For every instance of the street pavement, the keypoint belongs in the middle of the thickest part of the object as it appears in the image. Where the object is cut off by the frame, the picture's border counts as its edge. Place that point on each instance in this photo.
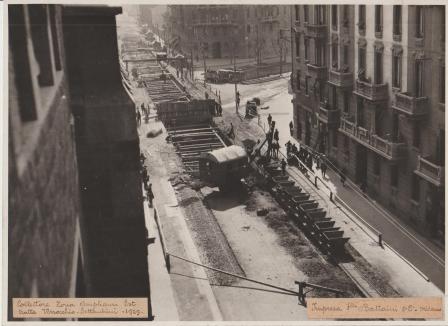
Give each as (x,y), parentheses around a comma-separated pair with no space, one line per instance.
(420,252)
(192,295)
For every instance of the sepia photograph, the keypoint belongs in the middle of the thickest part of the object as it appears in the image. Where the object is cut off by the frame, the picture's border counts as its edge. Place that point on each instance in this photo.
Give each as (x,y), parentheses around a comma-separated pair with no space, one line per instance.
(249,162)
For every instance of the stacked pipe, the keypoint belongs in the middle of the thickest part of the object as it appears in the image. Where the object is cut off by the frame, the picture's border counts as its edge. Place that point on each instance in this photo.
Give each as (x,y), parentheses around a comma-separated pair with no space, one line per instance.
(311,218)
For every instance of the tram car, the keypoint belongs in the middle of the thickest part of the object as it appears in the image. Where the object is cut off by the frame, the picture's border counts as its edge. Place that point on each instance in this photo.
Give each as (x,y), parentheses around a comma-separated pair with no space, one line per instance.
(224,167)
(211,76)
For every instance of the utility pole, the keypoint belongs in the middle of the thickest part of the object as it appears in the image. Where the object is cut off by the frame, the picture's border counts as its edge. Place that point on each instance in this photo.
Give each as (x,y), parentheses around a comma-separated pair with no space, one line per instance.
(234,72)
(281,48)
(235,81)
(205,67)
(191,64)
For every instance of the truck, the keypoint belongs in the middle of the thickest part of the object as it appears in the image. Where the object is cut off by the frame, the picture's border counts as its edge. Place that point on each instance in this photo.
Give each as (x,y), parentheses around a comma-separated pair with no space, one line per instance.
(224,167)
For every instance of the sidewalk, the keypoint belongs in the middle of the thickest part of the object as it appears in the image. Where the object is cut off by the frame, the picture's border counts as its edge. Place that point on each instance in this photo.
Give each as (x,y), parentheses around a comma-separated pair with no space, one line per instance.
(184,293)
(365,239)
(162,297)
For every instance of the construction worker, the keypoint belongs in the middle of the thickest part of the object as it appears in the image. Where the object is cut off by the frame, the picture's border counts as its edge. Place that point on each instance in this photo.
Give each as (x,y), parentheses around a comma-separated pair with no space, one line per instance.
(231,132)
(150,194)
(139,118)
(323,168)
(342,176)
(283,163)
(288,147)
(269,119)
(276,135)
(291,128)
(277,149)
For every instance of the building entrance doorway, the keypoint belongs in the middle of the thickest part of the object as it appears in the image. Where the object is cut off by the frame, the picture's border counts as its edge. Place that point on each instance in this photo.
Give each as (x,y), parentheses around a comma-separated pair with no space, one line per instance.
(298,126)
(216,50)
(308,129)
(361,165)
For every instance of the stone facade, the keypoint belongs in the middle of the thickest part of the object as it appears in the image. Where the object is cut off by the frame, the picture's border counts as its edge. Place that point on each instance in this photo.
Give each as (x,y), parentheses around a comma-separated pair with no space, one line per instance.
(44,201)
(364,98)
(222,31)
(76,223)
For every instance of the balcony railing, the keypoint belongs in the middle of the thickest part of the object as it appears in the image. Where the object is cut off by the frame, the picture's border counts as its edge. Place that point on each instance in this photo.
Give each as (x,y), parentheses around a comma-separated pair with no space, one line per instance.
(316,31)
(347,126)
(373,92)
(414,106)
(269,19)
(317,71)
(328,115)
(341,79)
(430,171)
(386,148)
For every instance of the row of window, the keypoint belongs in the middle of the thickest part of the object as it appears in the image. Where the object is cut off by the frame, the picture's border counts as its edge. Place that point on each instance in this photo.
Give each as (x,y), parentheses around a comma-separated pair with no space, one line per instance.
(259,11)
(397,20)
(417,88)
(319,18)
(45,43)
(320,59)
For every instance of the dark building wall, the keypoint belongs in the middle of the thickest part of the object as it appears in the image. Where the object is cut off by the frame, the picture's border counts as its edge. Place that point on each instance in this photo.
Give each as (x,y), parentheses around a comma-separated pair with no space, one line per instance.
(44,210)
(108,154)
(76,132)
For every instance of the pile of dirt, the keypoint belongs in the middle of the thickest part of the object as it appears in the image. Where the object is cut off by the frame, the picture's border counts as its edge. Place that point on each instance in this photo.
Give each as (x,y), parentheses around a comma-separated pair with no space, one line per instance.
(372,275)
(306,257)
(213,247)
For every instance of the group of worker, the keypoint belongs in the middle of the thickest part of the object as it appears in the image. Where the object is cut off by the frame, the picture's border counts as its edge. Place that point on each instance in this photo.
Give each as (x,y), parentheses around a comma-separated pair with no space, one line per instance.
(142,110)
(272,138)
(145,179)
(216,110)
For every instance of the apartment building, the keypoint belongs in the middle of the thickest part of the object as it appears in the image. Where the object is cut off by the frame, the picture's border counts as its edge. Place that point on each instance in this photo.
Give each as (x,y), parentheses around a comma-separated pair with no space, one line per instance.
(224,31)
(75,216)
(369,92)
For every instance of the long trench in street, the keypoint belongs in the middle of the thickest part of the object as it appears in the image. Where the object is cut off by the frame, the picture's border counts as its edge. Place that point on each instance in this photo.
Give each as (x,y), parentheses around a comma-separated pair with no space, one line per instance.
(227,231)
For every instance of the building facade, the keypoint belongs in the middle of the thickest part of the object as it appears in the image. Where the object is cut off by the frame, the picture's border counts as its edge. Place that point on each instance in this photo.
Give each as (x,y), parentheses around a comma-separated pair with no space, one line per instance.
(75,220)
(369,92)
(224,31)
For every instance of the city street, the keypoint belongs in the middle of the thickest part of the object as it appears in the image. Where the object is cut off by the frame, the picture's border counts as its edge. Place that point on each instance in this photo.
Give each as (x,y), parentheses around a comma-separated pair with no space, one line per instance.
(223,230)
(225,163)
(422,253)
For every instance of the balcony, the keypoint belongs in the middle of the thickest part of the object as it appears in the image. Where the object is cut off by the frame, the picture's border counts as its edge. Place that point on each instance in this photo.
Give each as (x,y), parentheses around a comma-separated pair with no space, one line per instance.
(372,92)
(214,21)
(412,106)
(341,79)
(328,115)
(317,71)
(316,31)
(386,148)
(396,37)
(429,171)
